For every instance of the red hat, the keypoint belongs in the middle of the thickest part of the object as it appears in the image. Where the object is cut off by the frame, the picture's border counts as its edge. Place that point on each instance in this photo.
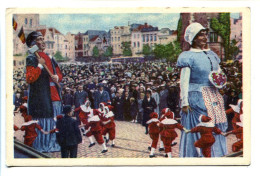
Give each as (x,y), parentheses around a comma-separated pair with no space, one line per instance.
(25,98)
(169,115)
(110,107)
(59,117)
(104,104)
(27,118)
(23,109)
(154,115)
(204,118)
(165,110)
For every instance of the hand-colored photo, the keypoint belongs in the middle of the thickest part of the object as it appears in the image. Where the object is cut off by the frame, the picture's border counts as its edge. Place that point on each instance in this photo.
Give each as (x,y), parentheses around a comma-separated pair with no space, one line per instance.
(128,85)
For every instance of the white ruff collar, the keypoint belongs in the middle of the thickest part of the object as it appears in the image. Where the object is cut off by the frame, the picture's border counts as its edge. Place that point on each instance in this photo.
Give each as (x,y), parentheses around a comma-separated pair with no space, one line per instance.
(84,108)
(94,118)
(198,50)
(169,122)
(109,114)
(152,120)
(30,122)
(25,104)
(206,124)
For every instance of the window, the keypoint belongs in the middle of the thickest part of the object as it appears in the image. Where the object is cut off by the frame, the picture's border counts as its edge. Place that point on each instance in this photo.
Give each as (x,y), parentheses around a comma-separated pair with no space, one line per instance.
(134,44)
(213,37)
(155,38)
(138,35)
(25,21)
(14,63)
(118,38)
(30,22)
(143,38)
(52,46)
(134,35)
(151,37)
(112,39)
(138,44)
(147,38)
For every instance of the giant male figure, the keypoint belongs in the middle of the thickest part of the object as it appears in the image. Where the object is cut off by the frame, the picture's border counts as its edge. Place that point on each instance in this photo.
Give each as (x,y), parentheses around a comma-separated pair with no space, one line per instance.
(44,102)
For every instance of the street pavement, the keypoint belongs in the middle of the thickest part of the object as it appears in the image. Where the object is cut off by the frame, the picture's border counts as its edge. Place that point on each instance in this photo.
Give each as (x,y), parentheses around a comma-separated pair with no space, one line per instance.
(131,142)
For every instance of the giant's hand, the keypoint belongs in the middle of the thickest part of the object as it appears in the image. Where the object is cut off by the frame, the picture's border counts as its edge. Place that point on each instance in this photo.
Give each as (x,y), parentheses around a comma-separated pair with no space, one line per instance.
(186,109)
(41,61)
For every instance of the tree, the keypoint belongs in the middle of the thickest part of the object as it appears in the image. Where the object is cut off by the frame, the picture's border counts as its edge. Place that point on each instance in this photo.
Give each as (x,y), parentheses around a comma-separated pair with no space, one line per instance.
(147,50)
(108,52)
(95,52)
(233,49)
(176,50)
(159,51)
(126,46)
(221,25)
(169,51)
(179,28)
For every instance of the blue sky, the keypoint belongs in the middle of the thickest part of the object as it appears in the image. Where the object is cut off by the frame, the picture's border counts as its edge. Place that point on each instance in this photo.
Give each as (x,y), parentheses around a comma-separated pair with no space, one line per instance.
(75,23)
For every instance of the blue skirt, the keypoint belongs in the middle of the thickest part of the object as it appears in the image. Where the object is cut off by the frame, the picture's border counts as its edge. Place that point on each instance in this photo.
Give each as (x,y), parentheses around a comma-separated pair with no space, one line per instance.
(47,143)
(190,120)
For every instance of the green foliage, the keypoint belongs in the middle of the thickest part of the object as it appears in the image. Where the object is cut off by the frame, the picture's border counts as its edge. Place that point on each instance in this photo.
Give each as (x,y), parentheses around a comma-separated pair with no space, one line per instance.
(179,28)
(176,50)
(108,52)
(95,52)
(170,52)
(126,46)
(59,57)
(233,49)
(222,27)
(147,50)
(159,51)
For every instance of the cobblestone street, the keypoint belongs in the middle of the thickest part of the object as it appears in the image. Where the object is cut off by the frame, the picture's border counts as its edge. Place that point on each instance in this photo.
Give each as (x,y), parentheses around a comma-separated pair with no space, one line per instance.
(130,142)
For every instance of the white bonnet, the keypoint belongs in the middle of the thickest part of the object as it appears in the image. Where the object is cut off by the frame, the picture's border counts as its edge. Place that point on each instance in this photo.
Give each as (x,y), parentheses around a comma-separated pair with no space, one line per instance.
(191,31)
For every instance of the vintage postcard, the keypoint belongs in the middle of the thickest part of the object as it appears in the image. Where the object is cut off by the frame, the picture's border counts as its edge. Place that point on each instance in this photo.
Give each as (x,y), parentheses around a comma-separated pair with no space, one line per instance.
(128,86)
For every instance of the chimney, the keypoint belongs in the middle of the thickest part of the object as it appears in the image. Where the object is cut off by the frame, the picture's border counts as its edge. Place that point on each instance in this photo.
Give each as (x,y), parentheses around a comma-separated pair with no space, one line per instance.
(145,24)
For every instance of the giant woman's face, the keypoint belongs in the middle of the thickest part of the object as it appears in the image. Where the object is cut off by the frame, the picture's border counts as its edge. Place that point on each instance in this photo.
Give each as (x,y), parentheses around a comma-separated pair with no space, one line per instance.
(201,39)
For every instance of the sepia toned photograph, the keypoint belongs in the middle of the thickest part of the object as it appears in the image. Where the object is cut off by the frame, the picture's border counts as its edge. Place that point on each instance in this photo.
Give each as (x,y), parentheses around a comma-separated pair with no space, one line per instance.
(112,87)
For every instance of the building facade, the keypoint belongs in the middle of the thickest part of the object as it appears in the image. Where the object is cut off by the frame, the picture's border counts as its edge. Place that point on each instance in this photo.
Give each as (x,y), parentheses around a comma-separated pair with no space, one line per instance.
(236,34)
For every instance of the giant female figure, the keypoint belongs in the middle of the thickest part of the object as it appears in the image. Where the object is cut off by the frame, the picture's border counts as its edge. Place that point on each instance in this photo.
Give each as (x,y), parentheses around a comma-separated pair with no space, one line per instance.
(198,95)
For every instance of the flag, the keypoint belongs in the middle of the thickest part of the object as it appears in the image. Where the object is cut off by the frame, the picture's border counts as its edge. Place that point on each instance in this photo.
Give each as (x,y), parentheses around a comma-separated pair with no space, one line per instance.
(14,24)
(21,35)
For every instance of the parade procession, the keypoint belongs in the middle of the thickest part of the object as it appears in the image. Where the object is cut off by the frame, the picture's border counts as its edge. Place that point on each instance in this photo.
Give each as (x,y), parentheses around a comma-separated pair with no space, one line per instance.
(137,91)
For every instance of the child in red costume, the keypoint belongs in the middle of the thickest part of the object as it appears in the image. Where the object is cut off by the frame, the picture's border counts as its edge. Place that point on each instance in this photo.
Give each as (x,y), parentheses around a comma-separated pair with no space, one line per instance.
(109,125)
(237,110)
(154,132)
(30,133)
(85,112)
(205,128)
(94,126)
(239,134)
(168,134)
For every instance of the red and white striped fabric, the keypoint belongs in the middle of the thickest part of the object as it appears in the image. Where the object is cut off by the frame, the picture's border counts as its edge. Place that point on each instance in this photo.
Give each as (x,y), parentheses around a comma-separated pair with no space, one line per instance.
(215,104)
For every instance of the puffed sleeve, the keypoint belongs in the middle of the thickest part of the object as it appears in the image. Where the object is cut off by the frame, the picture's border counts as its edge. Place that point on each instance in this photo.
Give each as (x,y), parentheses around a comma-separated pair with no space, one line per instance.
(185,59)
(33,69)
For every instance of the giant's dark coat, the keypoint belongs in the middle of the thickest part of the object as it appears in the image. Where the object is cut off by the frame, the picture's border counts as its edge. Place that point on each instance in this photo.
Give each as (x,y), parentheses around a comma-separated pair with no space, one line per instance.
(69,133)
(39,101)
(148,107)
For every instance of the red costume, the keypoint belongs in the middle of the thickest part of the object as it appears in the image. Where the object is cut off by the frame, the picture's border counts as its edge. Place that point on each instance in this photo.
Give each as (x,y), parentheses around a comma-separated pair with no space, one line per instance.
(109,127)
(30,133)
(239,134)
(207,139)
(168,134)
(154,130)
(96,129)
(237,111)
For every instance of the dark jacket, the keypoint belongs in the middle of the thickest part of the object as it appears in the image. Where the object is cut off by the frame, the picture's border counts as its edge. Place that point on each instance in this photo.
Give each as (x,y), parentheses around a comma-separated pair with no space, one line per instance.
(69,133)
(148,107)
(80,98)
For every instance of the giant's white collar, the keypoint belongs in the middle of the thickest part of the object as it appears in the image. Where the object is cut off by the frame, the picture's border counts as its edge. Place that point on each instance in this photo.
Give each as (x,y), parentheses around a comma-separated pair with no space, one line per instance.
(198,50)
